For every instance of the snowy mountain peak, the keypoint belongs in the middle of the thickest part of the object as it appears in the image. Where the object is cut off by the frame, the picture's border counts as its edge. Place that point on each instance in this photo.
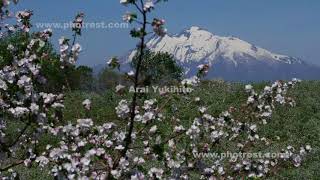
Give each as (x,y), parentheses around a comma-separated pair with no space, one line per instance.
(231,58)
(194,28)
(196,44)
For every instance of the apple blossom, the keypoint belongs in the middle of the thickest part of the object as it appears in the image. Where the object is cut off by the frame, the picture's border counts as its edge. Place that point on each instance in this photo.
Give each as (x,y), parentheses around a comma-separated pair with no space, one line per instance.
(87,104)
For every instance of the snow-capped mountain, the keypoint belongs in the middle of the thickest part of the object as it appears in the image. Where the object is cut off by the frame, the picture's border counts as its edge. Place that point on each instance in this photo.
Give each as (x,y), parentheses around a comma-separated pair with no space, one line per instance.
(231,58)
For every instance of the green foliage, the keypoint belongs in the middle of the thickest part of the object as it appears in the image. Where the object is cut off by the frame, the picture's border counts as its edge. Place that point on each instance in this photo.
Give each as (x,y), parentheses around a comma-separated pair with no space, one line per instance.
(133,17)
(79,78)
(84,75)
(109,79)
(19,41)
(114,63)
(137,33)
(158,68)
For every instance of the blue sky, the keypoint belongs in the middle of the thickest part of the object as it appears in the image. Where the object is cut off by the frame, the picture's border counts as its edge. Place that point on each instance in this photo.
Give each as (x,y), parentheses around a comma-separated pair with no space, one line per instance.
(289,27)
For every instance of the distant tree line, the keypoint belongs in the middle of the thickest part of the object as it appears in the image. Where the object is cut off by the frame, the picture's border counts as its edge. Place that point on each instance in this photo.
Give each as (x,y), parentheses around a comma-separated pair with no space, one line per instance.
(157,68)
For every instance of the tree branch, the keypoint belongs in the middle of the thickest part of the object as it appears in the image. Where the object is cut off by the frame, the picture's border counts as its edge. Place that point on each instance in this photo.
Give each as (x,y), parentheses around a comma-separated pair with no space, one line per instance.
(11,166)
(128,138)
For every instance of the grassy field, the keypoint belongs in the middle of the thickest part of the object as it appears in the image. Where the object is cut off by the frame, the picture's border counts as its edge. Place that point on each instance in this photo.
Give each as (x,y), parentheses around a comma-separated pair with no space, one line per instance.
(296,126)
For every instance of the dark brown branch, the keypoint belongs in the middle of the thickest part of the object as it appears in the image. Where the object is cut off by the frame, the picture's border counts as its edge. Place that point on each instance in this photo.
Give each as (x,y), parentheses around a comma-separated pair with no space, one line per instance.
(139,9)
(10,166)
(136,80)
(20,134)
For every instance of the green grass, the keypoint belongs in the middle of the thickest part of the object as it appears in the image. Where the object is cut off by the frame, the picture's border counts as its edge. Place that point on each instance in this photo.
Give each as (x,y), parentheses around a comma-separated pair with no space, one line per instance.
(296,126)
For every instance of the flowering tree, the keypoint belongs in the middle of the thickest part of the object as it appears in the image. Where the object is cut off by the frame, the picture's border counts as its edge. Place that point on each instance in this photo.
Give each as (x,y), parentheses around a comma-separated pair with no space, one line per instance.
(26,111)
(22,104)
(134,146)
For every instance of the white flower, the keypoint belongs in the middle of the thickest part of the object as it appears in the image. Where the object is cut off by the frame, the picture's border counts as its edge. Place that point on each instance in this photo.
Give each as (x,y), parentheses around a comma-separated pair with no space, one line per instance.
(109,61)
(160,31)
(138,176)
(85,123)
(56,153)
(179,129)
(42,160)
(148,5)
(202,109)
(200,66)
(100,151)
(48,98)
(122,109)
(267,89)
(6,2)
(127,17)
(266,114)
(147,117)
(23,14)
(131,73)
(10,47)
(148,104)
(193,131)
(153,129)
(12,29)
(46,34)
(24,81)
(203,68)
(124,2)
(250,100)
(108,143)
(34,108)
(62,41)
(63,48)
(3,85)
(171,143)
(297,160)
(253,128)
(123,163)
(215,135)
(119,147)
(57,105)
(173,164)
(139,160)
(308,148)
(116,174)
(221,170)
(280,99)
(87,104)
(119,88)
(18,111)
(248,88)
(34,69)
(193,81)
(85,161)
(76,48)
(157,172)
(81,143)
